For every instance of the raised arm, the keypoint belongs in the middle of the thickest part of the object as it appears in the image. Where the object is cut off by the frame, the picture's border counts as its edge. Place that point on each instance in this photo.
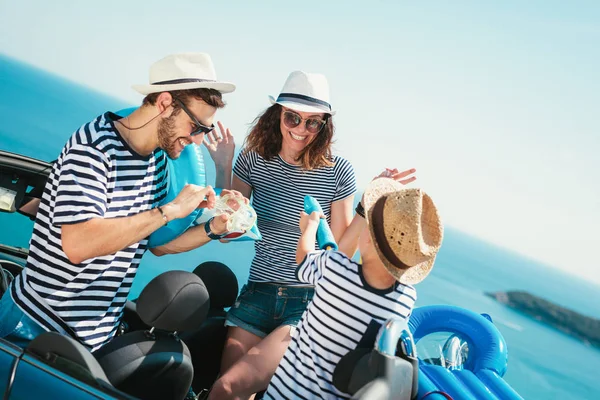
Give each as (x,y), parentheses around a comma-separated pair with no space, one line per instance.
(221,147)
(308,227)
(348,243)
(341,218)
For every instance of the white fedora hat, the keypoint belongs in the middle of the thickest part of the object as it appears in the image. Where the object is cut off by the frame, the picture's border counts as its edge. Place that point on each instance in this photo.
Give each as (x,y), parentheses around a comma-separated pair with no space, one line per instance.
(405,227)
(183,71)
(305,92)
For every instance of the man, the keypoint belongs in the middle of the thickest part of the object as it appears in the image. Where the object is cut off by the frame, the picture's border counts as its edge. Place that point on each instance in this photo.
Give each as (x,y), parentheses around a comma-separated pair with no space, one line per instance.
(101,202)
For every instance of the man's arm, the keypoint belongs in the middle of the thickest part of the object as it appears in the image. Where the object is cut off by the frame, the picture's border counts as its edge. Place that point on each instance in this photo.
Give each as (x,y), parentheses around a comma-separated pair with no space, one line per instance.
(102,236)
(193,238)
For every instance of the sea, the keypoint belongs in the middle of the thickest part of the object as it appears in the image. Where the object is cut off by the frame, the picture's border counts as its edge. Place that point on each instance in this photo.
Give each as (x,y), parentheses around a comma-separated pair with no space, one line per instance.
(39,111)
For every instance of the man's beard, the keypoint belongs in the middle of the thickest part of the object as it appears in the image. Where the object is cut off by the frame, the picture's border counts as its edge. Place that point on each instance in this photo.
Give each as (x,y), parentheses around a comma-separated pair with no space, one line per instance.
(166,134)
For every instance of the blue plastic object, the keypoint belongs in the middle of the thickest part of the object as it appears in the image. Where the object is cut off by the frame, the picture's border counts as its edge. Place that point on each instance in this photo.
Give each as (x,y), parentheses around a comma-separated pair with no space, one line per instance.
(325,237)
(188,168)
(481,376)
(251,234)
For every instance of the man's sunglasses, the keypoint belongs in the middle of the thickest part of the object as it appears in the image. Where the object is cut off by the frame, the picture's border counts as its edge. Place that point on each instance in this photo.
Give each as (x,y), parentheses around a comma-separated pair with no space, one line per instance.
(199,128)
(312,125)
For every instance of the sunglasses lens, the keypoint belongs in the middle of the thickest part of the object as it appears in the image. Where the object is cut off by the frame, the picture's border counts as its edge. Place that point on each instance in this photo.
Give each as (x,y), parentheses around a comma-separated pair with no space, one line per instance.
(313,125)
(201,129)
(291,120)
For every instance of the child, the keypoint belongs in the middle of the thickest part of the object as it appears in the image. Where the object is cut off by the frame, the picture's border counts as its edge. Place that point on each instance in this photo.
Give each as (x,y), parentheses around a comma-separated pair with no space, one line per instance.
(398,247)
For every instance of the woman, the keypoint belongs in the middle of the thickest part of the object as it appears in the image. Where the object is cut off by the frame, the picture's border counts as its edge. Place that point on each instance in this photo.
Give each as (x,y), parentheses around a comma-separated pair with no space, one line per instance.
(286,156)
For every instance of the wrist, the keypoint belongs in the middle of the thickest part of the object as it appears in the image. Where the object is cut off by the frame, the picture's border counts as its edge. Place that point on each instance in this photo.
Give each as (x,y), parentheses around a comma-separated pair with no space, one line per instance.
(224,166)
(163,214)
(215,230)
(208,229)
(360,210)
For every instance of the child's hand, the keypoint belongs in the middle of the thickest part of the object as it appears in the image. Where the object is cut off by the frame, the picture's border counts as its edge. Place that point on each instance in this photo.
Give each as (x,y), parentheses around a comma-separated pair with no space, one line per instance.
(306,219)
(398,176)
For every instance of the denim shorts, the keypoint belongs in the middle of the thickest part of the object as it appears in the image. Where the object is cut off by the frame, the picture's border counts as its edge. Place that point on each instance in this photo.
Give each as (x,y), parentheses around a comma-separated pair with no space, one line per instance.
(15,325)
(262,307)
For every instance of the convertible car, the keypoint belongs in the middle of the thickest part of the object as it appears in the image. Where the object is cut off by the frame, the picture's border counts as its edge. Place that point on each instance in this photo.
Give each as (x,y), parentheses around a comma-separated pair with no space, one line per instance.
(171,337)
(171,331)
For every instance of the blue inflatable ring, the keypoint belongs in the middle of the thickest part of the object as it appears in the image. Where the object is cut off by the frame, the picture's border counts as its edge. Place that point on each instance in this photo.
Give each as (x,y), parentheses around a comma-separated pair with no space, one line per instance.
(188,168)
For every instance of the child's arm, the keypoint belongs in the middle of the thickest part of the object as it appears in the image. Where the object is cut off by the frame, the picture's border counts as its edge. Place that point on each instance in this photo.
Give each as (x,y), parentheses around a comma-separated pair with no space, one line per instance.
(308,227)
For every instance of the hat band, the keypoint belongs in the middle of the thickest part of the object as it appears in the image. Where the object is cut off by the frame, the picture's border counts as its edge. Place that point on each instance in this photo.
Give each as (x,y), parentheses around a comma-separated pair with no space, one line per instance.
(306,100)
(184,80)
(384,245)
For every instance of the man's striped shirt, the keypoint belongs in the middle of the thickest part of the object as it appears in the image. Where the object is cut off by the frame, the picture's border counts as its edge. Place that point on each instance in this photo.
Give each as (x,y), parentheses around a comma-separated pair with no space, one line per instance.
(278,191)
(344,314)
(97,175)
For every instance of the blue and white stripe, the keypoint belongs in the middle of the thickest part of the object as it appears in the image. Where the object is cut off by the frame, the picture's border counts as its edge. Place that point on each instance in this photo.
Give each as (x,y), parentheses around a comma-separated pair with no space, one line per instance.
(303,99)
(278,191)
(340,318)
(96,176)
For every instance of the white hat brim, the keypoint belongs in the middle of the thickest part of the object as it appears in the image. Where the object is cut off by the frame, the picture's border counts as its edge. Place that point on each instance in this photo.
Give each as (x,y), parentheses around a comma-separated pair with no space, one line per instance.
(223,87)
(300,107)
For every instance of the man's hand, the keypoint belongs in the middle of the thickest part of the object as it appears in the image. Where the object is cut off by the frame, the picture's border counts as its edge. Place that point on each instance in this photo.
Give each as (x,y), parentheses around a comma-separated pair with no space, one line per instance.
(219,224)
(190,198)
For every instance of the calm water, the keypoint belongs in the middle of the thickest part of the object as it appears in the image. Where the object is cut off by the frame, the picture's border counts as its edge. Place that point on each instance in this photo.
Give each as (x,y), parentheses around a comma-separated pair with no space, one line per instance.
(38,112)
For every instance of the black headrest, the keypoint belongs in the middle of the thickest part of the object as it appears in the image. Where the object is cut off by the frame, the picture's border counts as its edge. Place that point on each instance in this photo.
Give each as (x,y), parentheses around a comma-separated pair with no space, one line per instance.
(174,301)
(350,365)
(51,343)
(220,281)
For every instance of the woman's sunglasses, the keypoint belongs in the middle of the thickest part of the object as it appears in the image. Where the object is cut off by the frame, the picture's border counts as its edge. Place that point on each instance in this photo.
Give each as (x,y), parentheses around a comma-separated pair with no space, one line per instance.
(199,128)
(312,125)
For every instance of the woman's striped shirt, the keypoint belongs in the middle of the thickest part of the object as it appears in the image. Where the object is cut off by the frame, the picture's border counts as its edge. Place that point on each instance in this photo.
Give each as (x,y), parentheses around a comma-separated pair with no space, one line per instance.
(278,191)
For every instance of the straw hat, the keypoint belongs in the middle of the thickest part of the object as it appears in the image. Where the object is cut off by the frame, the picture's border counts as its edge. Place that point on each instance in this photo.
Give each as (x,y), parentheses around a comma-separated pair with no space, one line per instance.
(305,92)
(183,71)
(405,228)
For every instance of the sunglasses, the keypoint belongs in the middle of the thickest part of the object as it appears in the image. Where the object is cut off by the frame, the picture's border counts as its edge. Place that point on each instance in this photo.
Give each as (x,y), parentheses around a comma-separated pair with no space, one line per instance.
(199,128)
(312,125)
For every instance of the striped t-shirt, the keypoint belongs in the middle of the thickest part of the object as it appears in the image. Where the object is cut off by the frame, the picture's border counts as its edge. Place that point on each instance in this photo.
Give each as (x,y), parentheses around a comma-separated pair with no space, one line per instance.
(97,175)
(345,313)
(278,191)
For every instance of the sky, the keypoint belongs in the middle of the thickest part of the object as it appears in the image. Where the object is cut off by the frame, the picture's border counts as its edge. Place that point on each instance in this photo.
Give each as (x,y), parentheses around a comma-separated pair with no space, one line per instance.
(496,104)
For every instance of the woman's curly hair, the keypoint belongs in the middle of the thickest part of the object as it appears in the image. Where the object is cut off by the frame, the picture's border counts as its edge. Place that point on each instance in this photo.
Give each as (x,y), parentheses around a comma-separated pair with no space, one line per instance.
(265,139)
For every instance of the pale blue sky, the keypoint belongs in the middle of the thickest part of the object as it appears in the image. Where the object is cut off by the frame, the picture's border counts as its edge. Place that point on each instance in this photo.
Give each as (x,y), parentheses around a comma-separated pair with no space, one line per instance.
(495,103)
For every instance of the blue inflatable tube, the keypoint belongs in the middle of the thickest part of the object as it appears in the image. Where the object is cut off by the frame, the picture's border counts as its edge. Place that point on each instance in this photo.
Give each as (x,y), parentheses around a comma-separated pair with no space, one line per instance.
(188,168)
(480,375)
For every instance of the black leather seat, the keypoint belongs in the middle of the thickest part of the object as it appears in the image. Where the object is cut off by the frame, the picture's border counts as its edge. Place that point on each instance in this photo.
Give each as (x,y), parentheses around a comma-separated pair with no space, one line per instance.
(156,364)
(207,342)
(68,355)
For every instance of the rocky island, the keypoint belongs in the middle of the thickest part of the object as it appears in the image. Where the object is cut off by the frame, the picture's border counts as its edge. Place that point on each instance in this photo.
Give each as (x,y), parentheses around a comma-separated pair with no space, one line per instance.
(584,328)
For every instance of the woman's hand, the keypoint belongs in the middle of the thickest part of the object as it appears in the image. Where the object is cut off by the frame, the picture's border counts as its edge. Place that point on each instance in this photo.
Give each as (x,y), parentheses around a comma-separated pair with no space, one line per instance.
(221,146)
